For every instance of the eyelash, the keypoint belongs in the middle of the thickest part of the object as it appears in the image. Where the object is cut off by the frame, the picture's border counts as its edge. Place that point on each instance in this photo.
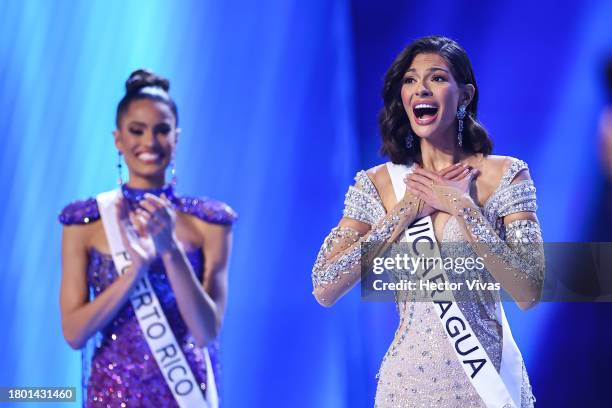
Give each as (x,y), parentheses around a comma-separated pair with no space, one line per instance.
(139,132)
(435,79)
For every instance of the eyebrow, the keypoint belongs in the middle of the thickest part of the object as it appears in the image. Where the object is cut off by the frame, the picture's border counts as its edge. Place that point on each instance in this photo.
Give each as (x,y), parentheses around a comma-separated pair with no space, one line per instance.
(432,69)
(163,122)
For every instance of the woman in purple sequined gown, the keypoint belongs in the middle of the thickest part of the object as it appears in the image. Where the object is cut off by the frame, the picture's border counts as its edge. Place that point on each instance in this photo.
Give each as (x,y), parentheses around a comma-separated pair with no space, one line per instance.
(186,261)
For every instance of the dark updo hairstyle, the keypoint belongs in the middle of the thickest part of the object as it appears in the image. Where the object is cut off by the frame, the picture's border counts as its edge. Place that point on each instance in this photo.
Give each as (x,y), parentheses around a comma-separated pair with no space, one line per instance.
(393,120)
(144,84)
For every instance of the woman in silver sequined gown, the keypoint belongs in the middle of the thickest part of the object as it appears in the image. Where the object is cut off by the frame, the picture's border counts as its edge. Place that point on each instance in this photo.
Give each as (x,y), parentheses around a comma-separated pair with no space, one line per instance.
(488,203)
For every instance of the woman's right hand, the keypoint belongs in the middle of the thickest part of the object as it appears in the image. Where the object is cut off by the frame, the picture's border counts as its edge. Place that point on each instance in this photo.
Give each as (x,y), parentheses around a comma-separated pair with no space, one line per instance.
(137,242)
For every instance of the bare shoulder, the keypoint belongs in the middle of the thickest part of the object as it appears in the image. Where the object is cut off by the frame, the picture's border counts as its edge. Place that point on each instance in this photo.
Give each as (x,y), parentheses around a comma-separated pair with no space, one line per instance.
(207,227)
(492,170)
(376,171)
(379,176)
(500,165)
(215,241)
(493,167)
(382,181)
(205,231)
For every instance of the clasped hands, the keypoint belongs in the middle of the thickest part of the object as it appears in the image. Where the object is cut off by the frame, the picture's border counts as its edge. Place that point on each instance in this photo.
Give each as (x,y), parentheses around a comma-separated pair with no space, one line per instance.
(437,190)
(149,230)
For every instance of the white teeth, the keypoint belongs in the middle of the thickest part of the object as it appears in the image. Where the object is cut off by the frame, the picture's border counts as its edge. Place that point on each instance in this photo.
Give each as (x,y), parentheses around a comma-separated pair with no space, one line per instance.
(148,156)
(425,105)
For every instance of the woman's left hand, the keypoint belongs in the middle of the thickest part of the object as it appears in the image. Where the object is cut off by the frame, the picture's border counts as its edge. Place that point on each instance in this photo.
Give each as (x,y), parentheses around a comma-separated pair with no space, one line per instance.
(422,183)
(159,219)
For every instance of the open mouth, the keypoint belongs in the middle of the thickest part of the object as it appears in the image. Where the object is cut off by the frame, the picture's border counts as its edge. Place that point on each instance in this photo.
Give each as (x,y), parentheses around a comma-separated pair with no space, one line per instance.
(425,113)
(149,157)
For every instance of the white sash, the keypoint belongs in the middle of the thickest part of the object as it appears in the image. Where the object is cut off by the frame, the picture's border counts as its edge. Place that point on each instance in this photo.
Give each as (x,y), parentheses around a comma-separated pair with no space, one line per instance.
(153,322)
(497,390)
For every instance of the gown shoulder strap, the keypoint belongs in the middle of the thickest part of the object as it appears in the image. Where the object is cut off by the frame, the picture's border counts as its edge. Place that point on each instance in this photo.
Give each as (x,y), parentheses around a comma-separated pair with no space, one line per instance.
(207,209)
(80,212)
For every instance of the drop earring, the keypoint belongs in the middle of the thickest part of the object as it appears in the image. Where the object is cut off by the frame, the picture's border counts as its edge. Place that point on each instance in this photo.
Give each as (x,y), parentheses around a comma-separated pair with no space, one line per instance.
(409,140)
(173,173)
(119,169)
(460,117)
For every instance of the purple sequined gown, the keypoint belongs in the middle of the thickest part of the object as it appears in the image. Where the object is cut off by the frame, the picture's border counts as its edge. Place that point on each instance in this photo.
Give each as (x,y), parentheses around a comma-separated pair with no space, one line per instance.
(122,370)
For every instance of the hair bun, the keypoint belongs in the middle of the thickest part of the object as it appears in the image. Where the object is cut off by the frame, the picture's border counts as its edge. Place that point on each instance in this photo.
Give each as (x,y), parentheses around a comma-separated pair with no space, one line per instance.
(142,78)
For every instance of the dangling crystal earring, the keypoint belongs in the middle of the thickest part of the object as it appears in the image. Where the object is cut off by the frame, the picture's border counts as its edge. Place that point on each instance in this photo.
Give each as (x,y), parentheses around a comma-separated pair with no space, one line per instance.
(119,168)
(173,173)
(409,139)
(460,116)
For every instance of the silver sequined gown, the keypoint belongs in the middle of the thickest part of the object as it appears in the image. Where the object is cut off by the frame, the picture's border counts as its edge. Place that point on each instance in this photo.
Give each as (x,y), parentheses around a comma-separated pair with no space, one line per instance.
(421,352)
(420,369)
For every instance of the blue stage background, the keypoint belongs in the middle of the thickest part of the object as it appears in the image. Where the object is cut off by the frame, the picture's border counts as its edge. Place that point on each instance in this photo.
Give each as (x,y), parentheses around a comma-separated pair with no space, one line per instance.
(278,104)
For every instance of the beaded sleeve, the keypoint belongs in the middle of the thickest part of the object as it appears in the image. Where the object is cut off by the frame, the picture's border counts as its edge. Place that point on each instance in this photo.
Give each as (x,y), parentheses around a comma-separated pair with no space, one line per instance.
(80,212)
(206,209)
(337,267)
(514,253)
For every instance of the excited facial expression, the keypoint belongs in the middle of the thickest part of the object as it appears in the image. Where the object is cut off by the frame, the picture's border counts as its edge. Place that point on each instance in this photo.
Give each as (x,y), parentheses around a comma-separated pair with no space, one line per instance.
(431,96)
(147,138)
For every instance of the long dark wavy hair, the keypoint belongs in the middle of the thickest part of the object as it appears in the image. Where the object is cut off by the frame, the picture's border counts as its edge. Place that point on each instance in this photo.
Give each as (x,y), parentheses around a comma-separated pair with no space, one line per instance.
(393,120)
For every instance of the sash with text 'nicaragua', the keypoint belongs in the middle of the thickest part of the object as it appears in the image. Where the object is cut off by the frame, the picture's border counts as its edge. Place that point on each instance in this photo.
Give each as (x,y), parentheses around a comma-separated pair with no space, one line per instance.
(497,391)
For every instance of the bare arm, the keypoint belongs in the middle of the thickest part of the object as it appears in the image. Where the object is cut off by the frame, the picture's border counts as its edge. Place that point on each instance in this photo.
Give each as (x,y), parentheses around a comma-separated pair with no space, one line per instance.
(201,304)
(80,318)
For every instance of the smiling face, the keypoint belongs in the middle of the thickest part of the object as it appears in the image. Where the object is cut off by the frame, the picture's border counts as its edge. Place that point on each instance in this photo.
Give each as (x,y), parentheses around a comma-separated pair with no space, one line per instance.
(431,96)
(147,137)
